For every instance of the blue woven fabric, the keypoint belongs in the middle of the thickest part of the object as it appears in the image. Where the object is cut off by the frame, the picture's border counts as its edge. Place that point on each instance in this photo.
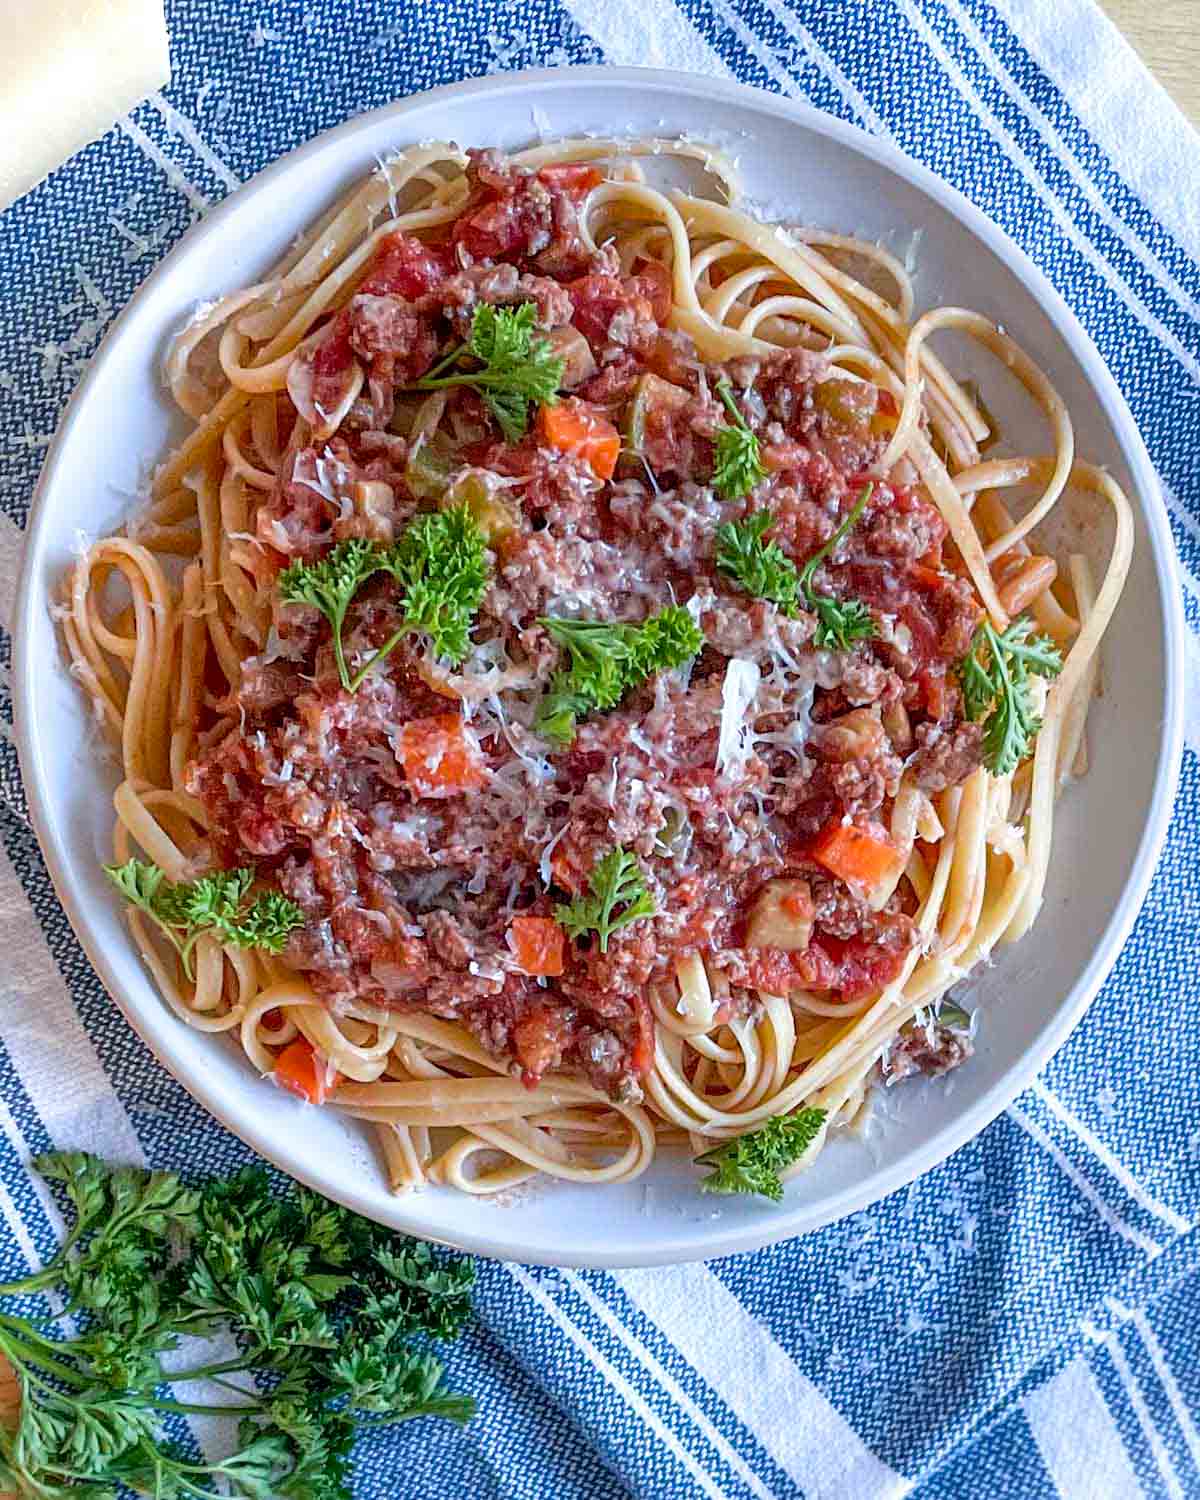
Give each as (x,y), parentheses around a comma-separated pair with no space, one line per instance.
(1022,1322)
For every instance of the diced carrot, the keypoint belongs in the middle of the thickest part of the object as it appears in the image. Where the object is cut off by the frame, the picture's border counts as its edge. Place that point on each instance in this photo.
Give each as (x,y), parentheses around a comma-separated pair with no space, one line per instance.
(537,945)
(575,427)
(298,1069)
(860,855)
(438,758)
(575,178)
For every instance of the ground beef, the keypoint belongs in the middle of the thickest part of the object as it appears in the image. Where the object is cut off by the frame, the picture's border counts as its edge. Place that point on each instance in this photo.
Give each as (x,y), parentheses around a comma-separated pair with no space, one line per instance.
(932,1050)
(946,757)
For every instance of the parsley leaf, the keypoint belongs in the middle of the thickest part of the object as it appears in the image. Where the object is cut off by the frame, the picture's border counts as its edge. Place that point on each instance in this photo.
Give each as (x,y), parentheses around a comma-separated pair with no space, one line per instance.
(607,659)
(440,563)
(738,464)
(616,881)
(840,622)
(994,676)
(517,368)
(761,568)
(752,1163)
(215,904)
(330,584)
(325,1318)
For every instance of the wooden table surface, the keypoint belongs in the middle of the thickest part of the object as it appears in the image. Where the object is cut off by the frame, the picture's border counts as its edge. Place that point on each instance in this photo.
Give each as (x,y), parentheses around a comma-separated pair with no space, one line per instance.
(1167,34)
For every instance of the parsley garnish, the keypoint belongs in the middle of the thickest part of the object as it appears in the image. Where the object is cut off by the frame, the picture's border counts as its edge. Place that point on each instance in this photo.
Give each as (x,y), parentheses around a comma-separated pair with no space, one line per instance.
(616,881)
(840,622)
(994,676)
(752,1163)
(606,660)
(325,1318)
(440,563)
(330,585)
(516,368)
(737,461)
(216,904)
(762,568)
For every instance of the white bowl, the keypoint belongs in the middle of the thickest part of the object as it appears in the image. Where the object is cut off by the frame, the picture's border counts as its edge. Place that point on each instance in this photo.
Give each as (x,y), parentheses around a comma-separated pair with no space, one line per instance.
(796,162)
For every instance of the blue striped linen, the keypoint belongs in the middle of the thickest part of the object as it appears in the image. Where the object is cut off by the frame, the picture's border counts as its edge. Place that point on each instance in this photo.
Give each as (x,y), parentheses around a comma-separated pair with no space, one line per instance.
(1022,1322)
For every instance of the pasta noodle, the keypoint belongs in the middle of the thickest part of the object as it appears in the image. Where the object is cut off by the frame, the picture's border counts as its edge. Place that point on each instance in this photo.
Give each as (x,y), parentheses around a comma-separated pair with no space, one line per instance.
(159,621)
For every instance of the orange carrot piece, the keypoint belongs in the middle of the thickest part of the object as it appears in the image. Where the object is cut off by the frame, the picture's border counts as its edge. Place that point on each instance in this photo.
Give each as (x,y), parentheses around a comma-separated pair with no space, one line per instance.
(537,944)
(577,428)
(438,758)
(860,855)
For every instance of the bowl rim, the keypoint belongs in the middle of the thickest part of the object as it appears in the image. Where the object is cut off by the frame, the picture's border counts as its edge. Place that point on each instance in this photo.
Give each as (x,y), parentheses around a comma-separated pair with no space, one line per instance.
(502,1237)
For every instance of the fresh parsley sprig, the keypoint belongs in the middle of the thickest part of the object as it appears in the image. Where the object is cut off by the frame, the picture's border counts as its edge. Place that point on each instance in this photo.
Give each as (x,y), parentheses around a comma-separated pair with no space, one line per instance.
(607,659)
(994,676)
(327,1315)
(440,563)
(752,1163)
(216,904)
(761,568)
(330,585)
(840,622)
(516,368)
(616,882)
(737,458)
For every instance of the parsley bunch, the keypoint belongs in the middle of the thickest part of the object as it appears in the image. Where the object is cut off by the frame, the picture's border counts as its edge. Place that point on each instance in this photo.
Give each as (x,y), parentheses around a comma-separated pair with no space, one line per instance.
(994,676)
(840,622)
(515,367)
(606,660)
(328,1316)
(216,904)
(616,881)
(737,459)
(440,563)
(751,1163)
(761,568)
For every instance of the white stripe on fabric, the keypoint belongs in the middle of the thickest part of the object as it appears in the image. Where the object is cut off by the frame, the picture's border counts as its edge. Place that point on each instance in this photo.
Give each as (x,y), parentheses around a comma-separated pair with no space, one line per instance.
(647,34)
(670,1385)
(760,1382)
(12,540)
(1114,97)
(73,1097)
(1050,136)
(824,62)
(1078,1439)
(1066,224)
(1169,1384)
(1112,1347)
(172,173)
(1112,1220)
(613,1376)
(182,126)
(1096,1146)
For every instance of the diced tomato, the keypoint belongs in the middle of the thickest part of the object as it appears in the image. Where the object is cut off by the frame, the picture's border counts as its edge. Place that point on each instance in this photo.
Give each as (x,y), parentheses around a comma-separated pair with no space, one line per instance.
(860,854)
(572,426)
(406,266)
(641,1057)
(599,297)
(933,687)
(271,1020)
(657,285)
(438,757)
(302,1072)
(575,178)
(333,354)
(537,944)
(848,967)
